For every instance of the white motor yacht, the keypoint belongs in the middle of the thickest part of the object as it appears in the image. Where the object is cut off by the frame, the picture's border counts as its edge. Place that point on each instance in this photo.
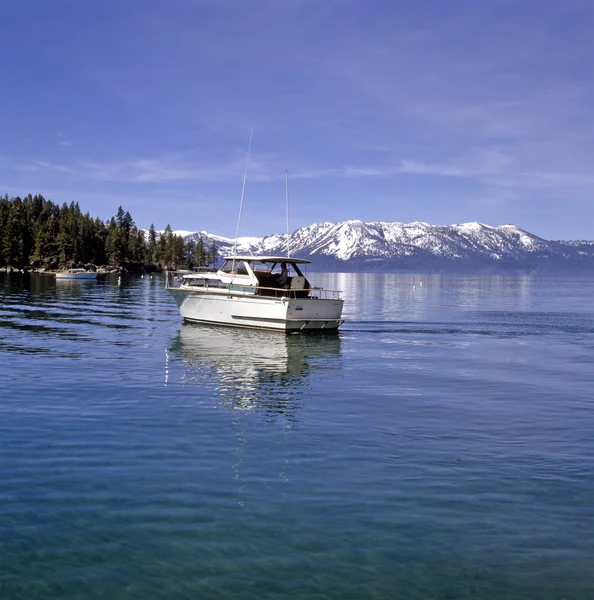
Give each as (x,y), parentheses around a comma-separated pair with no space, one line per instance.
(263,292)
(76,274)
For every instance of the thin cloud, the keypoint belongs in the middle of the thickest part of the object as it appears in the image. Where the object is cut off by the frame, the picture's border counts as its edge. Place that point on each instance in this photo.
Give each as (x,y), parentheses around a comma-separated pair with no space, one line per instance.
(64,140)
(172,168)
(492,168)
(36,166)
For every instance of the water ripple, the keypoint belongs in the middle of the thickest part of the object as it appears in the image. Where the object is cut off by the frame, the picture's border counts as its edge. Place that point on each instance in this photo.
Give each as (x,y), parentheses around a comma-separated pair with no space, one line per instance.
(438,447)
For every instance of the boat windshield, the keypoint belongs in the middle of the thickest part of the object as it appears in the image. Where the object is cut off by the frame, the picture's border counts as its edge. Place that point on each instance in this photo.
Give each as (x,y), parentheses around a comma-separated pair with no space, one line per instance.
(236,266)
(273,268)
(268,268)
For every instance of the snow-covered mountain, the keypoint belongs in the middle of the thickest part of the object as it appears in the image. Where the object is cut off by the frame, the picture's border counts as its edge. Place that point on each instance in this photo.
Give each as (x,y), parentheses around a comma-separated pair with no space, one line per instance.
(352,245)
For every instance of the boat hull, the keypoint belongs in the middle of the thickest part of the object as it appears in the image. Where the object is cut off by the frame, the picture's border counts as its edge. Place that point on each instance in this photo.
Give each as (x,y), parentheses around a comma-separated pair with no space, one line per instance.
(258,312)
(90,275)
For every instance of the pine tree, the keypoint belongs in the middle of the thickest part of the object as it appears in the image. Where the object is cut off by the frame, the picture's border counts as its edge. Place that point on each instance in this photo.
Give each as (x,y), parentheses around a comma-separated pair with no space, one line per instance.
(178,258)
(5,206)
(152,245)
(13,239)
(190,254)
(112,242)
(213,254)
(200,253)
(139,242)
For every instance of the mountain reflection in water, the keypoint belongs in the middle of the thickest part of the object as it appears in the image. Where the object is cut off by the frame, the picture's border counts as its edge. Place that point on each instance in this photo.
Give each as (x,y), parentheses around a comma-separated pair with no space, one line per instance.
(254,370)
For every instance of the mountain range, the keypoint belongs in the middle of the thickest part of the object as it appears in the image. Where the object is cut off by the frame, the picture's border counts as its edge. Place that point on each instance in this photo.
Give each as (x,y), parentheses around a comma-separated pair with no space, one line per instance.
(392,246)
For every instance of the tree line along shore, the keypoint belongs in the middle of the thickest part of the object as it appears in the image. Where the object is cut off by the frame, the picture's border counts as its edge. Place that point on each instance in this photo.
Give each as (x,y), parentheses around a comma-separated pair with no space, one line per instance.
(37,234)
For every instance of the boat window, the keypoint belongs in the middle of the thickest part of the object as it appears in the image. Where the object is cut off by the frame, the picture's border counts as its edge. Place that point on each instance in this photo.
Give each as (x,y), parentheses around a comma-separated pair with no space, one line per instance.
(271,268)
(261,267)
(206,282)
(195,282)
(238,265)
(216,283)
(203,270)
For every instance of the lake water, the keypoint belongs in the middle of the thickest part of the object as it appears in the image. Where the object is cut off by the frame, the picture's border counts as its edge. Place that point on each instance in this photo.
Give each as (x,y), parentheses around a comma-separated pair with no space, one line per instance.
(440,447)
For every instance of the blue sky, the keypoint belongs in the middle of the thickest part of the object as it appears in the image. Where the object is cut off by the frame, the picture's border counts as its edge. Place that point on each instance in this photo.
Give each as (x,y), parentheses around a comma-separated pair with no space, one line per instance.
(385,110)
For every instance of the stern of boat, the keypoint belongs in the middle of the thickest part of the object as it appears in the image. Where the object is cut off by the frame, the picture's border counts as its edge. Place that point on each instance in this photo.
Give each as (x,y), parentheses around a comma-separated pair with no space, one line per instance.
(314,314)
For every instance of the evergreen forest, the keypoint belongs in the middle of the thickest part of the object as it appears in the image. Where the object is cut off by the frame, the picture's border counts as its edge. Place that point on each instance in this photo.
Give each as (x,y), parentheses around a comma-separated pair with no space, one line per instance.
(35,233)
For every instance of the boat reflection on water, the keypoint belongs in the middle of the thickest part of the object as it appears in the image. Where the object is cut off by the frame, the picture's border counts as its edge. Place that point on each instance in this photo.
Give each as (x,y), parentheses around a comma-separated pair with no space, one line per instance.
(254,370)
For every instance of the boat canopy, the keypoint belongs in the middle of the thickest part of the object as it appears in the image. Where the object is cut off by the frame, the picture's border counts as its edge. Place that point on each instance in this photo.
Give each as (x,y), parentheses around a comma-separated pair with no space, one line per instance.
(276,259)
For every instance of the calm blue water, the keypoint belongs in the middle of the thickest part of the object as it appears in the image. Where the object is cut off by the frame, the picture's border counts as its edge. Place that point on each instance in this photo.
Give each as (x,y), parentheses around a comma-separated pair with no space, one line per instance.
(440,447)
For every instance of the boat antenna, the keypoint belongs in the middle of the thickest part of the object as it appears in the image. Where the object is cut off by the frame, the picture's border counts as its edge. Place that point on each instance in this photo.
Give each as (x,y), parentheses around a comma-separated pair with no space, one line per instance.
(247,162)
(287,201)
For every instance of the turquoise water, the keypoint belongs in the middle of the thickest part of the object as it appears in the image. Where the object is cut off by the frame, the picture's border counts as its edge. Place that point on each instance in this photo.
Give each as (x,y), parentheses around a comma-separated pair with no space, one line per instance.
(440,447)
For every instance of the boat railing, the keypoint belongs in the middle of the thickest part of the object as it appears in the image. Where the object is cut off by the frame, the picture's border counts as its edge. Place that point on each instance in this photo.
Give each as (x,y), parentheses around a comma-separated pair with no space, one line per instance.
(175,279)
(315,292)
(318,292)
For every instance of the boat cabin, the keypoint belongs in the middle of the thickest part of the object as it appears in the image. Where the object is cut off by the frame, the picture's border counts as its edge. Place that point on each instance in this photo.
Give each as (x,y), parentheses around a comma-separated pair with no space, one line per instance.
(270,275)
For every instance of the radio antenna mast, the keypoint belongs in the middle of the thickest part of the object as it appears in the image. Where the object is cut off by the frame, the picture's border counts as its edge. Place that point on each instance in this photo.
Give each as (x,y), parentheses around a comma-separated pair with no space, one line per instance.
(287,202)
(247,162)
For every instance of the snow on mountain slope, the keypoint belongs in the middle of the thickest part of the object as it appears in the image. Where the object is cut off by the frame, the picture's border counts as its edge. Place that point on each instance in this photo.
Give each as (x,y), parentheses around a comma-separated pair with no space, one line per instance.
(359,240)
(244,244)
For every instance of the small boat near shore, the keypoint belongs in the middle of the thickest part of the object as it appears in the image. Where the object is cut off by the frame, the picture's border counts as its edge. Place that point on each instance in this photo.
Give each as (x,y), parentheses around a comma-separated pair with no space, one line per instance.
(258,292)
(76,274)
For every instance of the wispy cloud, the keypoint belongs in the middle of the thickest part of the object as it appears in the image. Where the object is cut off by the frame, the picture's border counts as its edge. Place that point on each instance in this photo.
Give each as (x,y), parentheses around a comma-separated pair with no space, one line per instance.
(34,166)
(494,168)
(152,170)
(177,168)
(64,140)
